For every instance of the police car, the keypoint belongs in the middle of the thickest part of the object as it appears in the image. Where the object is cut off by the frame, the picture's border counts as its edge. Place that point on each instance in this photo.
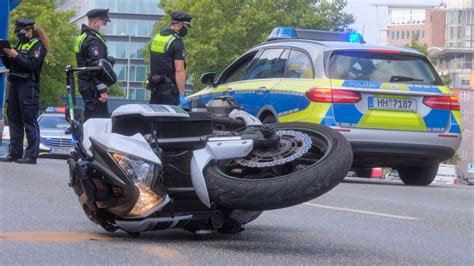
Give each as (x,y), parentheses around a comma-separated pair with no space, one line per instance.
(53,140)
(388,101)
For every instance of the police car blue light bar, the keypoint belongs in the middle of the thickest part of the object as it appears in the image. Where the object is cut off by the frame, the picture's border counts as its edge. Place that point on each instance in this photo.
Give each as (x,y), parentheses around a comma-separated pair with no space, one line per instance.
(52,109)
(316,35)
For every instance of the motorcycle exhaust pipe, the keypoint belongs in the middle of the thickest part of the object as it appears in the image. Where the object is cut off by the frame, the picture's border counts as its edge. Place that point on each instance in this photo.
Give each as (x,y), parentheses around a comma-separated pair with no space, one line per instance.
(217,220)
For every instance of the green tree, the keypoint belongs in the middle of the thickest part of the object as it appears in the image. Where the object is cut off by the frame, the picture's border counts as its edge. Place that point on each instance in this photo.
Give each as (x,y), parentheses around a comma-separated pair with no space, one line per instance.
(447,79)
(420,47)
(116,90)
(61,35)
(454,160)
(223,29)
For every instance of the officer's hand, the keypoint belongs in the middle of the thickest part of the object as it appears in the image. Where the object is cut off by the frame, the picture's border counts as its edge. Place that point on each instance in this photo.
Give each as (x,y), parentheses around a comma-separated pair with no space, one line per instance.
(104,96)
(182,100)
(11,52)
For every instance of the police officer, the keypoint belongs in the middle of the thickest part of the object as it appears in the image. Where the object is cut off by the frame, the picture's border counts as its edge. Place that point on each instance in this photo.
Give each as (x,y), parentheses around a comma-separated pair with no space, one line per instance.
(167,61)
(90,47)
(25,62)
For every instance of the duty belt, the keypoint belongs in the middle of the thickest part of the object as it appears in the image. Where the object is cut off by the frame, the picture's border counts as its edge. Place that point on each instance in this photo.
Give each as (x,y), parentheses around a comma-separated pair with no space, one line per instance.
(18,76)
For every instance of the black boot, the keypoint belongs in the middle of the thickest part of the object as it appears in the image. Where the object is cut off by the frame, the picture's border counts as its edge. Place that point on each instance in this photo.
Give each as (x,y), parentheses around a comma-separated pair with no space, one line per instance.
(8,159)
(27,160)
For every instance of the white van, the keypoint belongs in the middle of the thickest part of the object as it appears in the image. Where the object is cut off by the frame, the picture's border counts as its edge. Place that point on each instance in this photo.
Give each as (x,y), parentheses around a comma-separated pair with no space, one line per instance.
(447,174)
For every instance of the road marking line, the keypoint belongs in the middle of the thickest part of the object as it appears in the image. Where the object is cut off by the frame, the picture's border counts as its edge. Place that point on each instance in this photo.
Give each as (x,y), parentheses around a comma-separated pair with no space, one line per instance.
(363,212)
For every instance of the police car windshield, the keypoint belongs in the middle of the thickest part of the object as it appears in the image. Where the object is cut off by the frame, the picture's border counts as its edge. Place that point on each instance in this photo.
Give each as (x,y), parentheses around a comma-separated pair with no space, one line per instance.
(50,121)
(381,67)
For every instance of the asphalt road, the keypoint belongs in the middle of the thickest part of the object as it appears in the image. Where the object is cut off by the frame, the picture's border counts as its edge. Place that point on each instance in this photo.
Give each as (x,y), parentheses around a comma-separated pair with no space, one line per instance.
(359,222)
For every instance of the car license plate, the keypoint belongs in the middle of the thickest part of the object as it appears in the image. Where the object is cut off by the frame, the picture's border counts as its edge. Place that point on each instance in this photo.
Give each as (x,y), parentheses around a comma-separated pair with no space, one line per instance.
(61,150)
(394,104)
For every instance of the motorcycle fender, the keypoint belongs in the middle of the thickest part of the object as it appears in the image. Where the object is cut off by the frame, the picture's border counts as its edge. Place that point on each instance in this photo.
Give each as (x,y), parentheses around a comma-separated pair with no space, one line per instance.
(216,149)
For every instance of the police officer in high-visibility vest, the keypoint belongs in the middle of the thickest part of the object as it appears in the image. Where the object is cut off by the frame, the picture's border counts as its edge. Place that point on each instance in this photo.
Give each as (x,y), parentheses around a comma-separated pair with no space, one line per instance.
(167,61)
(24,62)
(90,47)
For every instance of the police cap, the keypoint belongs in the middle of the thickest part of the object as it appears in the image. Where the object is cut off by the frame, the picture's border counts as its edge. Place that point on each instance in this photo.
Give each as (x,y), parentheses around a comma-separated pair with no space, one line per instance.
(178,16)
(98,13)
(23,23)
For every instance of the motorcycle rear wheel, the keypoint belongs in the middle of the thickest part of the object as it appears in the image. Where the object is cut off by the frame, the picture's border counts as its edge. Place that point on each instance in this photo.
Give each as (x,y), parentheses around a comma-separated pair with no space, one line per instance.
(316,172)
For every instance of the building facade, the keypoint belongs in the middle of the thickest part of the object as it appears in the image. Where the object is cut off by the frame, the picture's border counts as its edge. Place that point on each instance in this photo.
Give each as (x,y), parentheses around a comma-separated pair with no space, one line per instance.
(131,28)
(405,22)
(460,24)
(456,59)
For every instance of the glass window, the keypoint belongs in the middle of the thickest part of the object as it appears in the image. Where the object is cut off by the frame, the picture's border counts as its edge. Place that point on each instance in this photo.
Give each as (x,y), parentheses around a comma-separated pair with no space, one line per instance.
(237,71)
(403,35)
(122,5)
(133,71)
(393,35)
(120,71)
(140,94)
(381,67)
(299,66)
(464,114)
(121,50)
(132,6)
(140,73)
(465,134)
(132,27)
(140,50)
(268,65)
(465,95)
(53,122)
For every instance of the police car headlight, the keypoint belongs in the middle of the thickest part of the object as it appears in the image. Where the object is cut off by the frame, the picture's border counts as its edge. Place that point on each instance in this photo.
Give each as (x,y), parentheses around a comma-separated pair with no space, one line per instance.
(141,174)
(42,147)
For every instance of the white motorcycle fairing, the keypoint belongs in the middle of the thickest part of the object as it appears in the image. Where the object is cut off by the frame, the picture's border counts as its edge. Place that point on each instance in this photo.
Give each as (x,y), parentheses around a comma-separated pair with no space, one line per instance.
(218,148)
(135,146)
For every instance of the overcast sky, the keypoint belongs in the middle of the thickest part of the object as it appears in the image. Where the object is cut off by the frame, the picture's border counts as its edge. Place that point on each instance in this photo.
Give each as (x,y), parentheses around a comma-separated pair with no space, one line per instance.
(366,14)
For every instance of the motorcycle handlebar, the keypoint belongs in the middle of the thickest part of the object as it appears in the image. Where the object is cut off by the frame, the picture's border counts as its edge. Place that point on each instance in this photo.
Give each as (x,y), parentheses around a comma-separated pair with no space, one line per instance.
(227,121)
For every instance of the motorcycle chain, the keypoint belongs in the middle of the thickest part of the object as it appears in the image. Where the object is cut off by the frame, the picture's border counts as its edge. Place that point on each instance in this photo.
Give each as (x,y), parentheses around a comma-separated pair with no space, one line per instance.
(288,140)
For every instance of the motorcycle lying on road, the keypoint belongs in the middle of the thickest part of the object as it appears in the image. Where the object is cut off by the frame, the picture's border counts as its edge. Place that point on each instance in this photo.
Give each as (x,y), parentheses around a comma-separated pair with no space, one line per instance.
(153,167)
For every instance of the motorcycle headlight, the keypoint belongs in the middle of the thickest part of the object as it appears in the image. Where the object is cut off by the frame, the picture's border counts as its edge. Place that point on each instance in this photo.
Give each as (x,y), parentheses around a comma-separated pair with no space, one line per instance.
(141,174)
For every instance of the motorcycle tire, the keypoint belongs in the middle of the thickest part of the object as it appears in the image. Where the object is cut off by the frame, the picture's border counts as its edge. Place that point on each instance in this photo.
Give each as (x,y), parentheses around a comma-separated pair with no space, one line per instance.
(258,194)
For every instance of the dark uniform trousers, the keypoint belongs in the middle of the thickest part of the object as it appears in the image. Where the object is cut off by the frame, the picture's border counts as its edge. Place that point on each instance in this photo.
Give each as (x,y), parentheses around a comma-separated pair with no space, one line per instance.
(93,108)
(22,112)
(165,93)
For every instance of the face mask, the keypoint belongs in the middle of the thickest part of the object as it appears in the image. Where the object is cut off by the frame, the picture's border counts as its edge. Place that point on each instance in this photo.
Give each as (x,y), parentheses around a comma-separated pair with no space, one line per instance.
(22,37)
(183,31)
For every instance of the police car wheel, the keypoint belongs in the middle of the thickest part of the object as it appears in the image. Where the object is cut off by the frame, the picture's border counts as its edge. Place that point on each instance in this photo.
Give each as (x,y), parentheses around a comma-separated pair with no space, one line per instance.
(269,119)
(418,176)
(262,186)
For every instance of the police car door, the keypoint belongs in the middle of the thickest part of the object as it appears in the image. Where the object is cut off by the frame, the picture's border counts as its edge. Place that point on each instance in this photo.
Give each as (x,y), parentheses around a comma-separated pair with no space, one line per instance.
(264,73)
(227,82)
(288,98)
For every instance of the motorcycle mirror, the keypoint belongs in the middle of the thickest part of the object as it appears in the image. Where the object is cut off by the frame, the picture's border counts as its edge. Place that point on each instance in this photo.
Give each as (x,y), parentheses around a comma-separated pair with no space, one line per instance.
(208,78)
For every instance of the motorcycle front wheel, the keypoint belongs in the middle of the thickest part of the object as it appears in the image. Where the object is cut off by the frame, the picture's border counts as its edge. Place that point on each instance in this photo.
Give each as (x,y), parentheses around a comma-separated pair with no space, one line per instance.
(297,171)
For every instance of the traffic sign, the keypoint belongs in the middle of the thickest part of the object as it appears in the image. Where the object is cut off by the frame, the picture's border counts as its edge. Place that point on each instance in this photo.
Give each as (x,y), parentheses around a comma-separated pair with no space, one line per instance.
(470,168)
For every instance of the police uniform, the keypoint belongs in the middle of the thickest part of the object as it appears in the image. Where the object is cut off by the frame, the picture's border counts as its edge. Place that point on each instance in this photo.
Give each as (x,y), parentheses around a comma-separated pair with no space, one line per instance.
(89,48)
(23,95)
(166,47)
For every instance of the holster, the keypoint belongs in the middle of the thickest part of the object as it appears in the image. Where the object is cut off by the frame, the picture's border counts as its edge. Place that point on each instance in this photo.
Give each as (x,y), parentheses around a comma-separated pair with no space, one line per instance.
(154,81)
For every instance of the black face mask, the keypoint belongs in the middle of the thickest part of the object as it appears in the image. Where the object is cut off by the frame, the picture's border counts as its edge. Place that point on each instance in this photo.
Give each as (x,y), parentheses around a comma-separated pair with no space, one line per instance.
(22,37)
(183,31)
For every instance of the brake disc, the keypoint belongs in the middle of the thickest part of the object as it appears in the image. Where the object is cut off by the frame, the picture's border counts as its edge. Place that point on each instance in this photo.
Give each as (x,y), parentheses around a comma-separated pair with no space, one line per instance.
(293,144)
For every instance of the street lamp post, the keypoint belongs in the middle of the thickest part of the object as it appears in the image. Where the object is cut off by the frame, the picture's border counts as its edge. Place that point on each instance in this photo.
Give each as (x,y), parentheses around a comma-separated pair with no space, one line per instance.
(129,49)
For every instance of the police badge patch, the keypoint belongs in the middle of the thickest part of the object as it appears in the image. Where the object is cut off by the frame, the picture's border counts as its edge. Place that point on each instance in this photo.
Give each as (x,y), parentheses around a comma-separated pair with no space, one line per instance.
(95,51)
